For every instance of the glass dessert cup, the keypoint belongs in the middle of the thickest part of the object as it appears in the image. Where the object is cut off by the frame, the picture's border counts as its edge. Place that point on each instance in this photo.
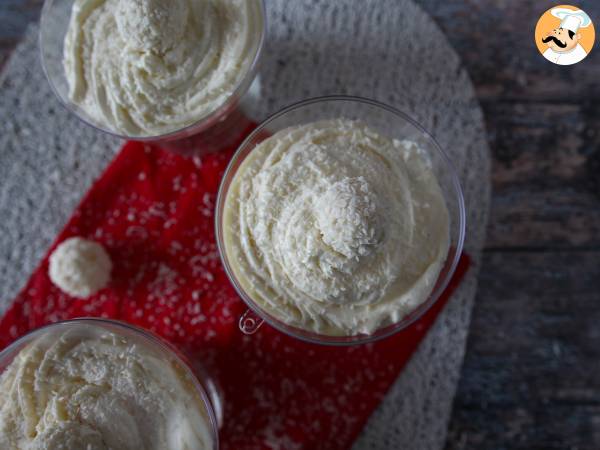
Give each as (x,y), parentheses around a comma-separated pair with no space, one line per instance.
(389,122)
(214,131)
(200,384)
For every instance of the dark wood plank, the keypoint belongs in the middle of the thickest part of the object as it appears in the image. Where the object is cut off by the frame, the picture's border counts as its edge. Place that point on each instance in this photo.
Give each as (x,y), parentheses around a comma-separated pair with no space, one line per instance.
(543,123)
(530,375)
(530,378)
(495,40)
(15,15)
(546,176)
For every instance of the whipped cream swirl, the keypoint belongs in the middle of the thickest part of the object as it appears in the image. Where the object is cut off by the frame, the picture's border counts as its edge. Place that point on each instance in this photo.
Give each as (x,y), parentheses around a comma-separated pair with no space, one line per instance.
(91,389)
(150,67)
(336,229)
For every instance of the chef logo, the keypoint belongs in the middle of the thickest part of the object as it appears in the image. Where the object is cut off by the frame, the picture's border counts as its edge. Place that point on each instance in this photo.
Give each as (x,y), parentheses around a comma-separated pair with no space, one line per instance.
(565,35)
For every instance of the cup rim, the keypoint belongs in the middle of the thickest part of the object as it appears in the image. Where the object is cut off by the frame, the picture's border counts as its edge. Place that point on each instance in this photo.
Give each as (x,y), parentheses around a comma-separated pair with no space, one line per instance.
(381,333)
(194,128)
(148,336)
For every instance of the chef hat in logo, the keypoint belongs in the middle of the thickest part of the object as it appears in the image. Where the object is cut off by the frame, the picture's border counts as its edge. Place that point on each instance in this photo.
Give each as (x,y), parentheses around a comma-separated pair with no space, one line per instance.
(572,20)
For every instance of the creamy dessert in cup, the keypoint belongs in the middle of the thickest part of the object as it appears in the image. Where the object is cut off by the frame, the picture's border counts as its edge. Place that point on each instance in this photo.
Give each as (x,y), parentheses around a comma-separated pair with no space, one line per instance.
(98,385)
(150,69)
(335,229)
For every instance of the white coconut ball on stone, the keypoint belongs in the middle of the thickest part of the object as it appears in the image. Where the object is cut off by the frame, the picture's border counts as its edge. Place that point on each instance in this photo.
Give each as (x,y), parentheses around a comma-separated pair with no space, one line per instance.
(80,267)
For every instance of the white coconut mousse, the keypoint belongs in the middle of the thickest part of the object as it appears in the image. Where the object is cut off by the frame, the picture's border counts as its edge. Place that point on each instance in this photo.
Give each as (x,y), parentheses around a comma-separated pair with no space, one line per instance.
(94,390)
(336,229)
(150,67)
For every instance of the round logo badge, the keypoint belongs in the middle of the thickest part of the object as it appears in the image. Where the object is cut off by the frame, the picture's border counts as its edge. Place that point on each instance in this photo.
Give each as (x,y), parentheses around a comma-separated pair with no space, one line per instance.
(565,35)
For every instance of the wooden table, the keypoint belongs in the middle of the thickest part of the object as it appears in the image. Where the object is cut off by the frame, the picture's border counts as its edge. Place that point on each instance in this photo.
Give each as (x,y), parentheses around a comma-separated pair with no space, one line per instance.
(532,373)
(531,376)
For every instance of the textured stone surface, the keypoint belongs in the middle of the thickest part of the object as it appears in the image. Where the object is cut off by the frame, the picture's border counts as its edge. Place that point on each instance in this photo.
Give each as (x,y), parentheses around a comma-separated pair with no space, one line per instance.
(367,48)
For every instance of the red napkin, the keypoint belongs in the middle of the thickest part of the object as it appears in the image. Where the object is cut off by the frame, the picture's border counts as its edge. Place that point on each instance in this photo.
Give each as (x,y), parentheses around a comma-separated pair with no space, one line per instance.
(154,212)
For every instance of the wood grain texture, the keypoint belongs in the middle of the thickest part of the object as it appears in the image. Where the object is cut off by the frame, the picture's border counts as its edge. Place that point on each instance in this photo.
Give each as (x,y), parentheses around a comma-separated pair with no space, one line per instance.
(14,17)
(543,123)
(530,379)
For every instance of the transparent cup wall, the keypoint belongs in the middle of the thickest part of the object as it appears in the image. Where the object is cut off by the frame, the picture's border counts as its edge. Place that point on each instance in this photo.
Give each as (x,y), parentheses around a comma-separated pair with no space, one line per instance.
(389,122)
(202,385)
(216,131)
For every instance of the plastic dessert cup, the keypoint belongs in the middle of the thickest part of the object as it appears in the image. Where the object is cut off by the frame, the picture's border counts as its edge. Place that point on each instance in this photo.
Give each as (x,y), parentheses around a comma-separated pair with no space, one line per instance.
(389,122)
(200,384)
(213,131)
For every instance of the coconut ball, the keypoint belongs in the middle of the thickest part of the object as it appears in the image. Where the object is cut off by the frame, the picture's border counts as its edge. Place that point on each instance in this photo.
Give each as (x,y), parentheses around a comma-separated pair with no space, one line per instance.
(152,24)
(80,267)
